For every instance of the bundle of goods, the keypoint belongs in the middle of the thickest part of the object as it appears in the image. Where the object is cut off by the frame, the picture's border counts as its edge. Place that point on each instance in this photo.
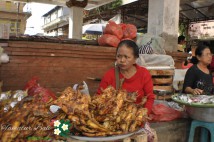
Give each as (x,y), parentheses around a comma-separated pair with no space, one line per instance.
(114,33)
(24,114)
(194,99)
(198,107)
(9,99)
(113,112)
(29,117)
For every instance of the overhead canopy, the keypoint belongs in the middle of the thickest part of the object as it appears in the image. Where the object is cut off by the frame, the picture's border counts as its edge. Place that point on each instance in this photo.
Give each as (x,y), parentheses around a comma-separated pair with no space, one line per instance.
(199,10)
(137,12)
(91,3)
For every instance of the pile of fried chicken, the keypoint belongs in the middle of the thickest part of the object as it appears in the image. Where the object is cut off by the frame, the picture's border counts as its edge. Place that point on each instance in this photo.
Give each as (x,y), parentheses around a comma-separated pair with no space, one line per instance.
(113,112)
(30,117)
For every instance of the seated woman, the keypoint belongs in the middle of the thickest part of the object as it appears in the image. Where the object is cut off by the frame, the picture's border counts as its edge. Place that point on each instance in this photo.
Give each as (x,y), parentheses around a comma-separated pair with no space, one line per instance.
(198,79)
(136,78)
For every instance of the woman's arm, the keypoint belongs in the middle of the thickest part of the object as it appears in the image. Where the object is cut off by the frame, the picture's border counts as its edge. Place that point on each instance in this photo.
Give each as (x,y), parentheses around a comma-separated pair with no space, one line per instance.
(148,90)
(195,91)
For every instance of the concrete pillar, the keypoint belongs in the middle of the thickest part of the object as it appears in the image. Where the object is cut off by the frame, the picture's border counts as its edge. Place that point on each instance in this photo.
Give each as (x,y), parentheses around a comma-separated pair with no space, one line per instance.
(75,22)
(164,20)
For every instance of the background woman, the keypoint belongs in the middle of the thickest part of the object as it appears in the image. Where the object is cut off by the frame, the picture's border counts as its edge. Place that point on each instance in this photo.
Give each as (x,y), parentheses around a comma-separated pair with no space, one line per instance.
(198,79)
(136,78)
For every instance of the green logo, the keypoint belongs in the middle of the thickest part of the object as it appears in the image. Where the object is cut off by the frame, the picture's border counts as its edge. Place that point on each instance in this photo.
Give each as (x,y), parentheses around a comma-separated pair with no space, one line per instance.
(62,128)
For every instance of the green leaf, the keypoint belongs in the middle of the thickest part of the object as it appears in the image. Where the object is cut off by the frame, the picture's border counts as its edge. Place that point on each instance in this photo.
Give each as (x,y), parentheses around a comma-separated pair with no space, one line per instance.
(63,135)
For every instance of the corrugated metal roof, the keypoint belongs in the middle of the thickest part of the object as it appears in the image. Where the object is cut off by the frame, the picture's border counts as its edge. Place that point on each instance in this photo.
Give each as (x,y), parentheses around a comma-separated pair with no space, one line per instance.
(197,11)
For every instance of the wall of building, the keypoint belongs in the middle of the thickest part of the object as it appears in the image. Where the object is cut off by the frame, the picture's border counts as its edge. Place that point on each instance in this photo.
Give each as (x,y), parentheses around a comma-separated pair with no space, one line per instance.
(56,24)
(65,11)
(9,15)
(57,65)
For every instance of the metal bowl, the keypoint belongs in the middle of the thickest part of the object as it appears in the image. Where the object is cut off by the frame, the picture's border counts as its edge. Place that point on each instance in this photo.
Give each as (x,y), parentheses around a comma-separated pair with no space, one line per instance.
(201,113)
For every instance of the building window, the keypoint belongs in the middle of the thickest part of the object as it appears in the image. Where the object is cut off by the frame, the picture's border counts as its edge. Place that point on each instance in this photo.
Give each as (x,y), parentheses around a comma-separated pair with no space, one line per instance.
(48,19)
(15,26)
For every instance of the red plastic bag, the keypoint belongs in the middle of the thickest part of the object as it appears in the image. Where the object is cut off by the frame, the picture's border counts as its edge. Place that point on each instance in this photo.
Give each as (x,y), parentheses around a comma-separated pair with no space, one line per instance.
(33,82)
(161,112)
(46,94)
(108,40)
(34,88)
(129,31)
(114,29)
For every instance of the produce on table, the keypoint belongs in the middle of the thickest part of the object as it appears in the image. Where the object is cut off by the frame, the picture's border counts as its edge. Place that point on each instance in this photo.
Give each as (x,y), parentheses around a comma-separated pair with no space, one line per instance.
(199,99)
(28,118)
(111,113)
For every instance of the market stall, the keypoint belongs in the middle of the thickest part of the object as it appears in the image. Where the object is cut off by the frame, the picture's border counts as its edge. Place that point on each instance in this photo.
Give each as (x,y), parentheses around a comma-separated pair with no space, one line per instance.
(53,61)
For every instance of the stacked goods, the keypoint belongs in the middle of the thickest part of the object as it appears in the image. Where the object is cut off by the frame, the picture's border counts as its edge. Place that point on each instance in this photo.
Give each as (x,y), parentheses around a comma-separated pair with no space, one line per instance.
(30,117)
(111,113)
(114,33)
(129,31)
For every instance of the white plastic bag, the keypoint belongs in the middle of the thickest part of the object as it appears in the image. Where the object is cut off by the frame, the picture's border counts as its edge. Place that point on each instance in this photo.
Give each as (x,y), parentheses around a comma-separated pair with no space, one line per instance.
(155,60)
(84,90)
(156,43)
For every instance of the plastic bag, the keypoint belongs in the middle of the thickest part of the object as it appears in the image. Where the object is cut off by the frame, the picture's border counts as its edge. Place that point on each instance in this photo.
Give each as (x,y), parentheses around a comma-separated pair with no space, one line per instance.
(114,29)
(154,42)
(34,88)
(155,60)
(129,31)
(84,90)
(108,40)
(161,112)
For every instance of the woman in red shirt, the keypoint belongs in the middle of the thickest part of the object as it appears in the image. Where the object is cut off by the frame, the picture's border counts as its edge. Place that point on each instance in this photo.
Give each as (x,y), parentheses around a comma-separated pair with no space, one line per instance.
(136,78)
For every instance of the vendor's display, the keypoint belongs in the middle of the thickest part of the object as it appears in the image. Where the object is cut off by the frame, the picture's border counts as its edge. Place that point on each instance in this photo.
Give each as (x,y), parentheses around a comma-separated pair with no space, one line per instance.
(194,100)
(111,113)
(114,33)
(9,99)
(199,107)
(30,117)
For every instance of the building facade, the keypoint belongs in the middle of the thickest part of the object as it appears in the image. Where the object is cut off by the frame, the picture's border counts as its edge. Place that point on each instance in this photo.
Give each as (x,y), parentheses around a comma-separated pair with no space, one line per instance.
(56,22)
(12,14)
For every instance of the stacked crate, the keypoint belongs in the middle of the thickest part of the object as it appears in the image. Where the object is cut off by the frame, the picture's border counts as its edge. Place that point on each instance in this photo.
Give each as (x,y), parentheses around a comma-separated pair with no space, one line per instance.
(162,80)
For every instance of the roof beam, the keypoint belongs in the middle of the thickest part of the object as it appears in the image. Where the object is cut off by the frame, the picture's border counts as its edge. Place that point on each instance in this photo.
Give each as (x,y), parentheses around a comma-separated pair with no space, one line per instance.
(197,10)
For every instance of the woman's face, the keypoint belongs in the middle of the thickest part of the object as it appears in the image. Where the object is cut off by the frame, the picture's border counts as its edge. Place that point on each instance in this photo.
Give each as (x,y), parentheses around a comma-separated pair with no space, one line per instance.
(125,57)
(206,57)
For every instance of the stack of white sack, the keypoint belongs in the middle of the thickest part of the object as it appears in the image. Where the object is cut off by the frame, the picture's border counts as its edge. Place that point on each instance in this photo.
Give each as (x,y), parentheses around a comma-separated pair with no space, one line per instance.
(151,51)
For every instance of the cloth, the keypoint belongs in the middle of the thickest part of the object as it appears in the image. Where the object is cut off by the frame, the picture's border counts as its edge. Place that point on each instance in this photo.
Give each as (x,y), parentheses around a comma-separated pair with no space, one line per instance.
(178,77)
(155,60)
(141,82)
(195,78)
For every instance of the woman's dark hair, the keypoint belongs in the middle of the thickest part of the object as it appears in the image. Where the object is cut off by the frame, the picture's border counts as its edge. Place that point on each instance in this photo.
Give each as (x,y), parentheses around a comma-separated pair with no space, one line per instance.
(130,44)
(199,51)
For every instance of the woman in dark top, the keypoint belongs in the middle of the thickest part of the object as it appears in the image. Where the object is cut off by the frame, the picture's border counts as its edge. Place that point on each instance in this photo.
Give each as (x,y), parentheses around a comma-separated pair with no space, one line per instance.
(198,79)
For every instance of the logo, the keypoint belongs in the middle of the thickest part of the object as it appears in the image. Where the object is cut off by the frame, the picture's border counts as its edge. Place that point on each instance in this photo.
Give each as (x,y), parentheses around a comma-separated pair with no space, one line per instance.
(62,128)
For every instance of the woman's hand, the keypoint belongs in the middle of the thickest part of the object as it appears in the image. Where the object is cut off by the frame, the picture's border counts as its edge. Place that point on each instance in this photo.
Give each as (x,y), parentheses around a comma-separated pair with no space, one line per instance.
(197,91)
